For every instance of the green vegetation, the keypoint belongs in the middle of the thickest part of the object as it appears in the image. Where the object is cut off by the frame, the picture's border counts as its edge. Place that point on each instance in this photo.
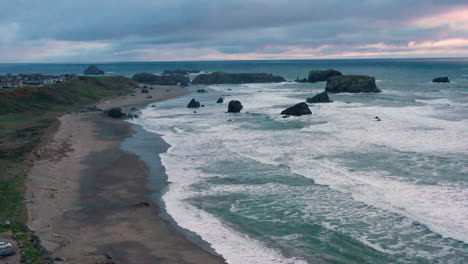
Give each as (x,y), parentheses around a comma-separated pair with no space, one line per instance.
(167,79)
(144,77)
(27,116)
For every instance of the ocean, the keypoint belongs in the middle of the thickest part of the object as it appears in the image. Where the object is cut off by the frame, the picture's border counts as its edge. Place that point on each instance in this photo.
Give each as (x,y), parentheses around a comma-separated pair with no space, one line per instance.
(333,187)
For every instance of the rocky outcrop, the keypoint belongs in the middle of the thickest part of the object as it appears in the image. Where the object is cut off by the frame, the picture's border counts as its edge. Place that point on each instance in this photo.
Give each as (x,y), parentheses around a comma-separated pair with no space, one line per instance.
(297,110)
(193,104)
(180,71)
(171,79)
(115,112)
(234,106)
(236,78)
(319,98)
(144,77)
(441,80)
(93,70)
(220,100)
(352,84)
(322,76)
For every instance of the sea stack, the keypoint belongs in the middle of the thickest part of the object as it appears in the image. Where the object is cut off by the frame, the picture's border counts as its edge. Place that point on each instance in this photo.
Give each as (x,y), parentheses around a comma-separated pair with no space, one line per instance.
(234,106)
(322,76)
(297,110)
(193,104)
(319,98)
(352,84)
(93,70)
(236,78)
(441,80)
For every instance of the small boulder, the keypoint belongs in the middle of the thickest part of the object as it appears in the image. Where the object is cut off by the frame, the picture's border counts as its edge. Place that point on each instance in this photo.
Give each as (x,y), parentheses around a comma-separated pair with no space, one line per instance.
(297,110)
(319,98)
(193,104)
(115,112)
(149,96)
(201,91)
(220,100)
(234,106)
(441,80)
(144,90)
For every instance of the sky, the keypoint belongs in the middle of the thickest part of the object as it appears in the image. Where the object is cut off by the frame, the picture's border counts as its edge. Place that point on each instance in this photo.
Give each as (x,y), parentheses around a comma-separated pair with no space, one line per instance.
(181,30)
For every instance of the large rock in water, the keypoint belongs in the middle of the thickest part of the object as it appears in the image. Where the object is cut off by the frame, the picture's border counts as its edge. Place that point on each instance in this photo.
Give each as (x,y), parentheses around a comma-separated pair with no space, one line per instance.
(352,84)
(193,104)
(441,80)
(220,100)
(93,70)
(236,78)
(322,76)
(297,110)
(115,113)
(234,106)
(319,98)
(171,79)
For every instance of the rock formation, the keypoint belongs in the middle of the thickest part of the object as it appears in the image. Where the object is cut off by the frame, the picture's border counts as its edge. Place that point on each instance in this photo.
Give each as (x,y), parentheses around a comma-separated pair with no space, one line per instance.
(93,70)
(322,76)
(351,84)
(220,100)
(115,113)
(180,71)
(441,80)
(319,98)
(297,110)
(234,106)
(171,79)
(236,78)
(193,104)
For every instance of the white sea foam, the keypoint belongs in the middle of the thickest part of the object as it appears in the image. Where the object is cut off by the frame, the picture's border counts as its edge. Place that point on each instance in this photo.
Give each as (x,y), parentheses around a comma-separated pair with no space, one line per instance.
(198,140)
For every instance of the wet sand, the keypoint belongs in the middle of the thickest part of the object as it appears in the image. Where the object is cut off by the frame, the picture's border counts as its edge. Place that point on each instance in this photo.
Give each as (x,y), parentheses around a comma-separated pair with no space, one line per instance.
(88,197)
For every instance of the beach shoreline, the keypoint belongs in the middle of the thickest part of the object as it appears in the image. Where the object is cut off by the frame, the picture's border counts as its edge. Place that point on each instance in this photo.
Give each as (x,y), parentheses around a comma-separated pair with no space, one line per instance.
(89,200)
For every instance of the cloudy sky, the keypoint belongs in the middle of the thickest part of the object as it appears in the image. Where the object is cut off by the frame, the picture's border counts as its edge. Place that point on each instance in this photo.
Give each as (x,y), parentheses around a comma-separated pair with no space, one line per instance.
(171,30)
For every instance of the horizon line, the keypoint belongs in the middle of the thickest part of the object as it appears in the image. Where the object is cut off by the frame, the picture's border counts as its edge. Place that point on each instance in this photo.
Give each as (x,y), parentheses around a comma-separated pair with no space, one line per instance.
(165,61)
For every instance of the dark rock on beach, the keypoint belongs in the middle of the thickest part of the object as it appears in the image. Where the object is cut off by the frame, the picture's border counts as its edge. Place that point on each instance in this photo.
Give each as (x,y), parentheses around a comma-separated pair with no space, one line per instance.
(193,104)
(297,110)
(236,78)
(202,91)
(220,100)
(144,90)
(352,84)
(319,98)
(322,76)
(115,112)
(234,106)
(441,80)
(93,70)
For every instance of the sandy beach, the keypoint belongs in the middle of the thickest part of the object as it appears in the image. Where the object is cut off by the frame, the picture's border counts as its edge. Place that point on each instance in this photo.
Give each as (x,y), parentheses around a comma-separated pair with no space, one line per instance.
(88,200)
